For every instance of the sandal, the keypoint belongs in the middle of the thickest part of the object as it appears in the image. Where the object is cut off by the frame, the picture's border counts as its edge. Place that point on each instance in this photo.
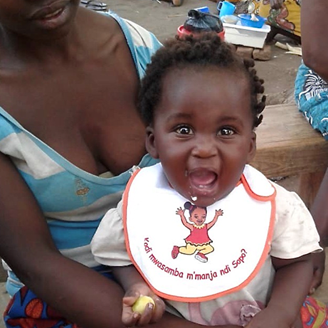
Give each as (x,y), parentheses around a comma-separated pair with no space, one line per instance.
(174,3)
(94,5)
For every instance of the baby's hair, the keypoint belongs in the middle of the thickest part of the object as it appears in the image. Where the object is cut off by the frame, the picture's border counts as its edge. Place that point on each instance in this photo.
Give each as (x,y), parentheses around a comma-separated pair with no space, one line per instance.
(204,51)
(190,207)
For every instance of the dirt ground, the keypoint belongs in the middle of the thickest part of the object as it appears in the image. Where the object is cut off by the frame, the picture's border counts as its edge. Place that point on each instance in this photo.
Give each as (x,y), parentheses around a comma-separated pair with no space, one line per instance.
(163,20)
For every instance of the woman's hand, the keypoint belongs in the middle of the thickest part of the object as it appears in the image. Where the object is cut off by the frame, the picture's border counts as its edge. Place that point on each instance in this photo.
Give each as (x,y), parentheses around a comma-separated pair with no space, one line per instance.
(152,312)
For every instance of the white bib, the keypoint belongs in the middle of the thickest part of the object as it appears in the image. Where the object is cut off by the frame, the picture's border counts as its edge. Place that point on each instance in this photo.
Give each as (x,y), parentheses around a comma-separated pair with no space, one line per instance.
(187,262)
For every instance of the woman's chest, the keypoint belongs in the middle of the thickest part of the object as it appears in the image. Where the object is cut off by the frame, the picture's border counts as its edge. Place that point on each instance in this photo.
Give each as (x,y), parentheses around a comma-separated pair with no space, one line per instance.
(89,117)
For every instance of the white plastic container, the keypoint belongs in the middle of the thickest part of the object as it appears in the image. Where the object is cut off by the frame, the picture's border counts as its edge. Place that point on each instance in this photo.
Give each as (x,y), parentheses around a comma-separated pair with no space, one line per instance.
(246,36)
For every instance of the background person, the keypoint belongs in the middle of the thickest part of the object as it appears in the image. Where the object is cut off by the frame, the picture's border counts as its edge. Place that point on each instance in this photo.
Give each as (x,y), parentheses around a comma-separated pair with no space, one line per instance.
(282,15)
(314,26)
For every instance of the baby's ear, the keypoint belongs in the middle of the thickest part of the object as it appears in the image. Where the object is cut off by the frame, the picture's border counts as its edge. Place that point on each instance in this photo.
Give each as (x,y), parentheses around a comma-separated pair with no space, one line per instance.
(151,143)
(252,148)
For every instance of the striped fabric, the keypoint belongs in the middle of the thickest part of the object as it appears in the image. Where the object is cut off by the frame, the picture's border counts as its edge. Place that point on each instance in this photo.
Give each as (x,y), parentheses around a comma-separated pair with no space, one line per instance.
(73,201)
(94,5)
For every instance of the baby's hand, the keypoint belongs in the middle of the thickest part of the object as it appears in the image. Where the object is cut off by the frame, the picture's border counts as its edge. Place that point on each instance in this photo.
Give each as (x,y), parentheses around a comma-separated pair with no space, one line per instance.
(141,307)
(180,211)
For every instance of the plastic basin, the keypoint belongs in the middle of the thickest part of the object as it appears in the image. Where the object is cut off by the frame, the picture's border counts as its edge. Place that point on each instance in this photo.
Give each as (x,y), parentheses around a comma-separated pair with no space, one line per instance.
(230,19)
(245,20)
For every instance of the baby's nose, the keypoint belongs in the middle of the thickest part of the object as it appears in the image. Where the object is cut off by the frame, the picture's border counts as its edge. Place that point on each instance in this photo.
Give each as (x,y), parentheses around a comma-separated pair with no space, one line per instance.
(204,147)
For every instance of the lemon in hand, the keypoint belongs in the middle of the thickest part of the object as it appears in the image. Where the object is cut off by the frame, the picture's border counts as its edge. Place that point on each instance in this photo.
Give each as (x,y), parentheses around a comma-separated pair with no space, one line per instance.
(141,303)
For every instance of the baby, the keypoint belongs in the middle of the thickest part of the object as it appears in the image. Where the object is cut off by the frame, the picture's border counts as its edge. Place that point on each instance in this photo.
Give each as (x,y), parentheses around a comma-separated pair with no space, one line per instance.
(245,243)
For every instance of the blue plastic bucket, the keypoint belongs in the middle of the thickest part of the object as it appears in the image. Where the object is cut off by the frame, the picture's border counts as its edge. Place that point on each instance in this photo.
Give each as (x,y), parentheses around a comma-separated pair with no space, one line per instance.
(225,8)
(245,20)
(204,9)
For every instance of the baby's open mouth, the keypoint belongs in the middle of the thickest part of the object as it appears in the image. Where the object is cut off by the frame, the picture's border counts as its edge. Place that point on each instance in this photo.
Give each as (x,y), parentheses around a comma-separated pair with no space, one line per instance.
(202,181)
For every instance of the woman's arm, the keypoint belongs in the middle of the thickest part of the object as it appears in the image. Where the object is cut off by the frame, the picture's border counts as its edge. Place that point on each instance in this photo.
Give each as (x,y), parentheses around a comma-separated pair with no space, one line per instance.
(314,25)
(77,292)
(319,211)
(80,294)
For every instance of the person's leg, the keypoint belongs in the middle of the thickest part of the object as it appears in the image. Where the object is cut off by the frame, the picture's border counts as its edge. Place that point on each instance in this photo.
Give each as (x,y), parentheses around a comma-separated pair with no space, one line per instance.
(284,21)
(276,30)
(314,313)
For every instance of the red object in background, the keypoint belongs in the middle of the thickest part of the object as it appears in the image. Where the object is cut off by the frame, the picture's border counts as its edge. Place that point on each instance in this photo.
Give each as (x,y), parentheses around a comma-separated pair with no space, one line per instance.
(182,32)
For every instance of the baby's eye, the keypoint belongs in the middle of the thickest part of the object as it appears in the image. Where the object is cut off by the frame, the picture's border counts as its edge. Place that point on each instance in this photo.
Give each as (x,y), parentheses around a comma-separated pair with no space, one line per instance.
(183,130)
(226,132)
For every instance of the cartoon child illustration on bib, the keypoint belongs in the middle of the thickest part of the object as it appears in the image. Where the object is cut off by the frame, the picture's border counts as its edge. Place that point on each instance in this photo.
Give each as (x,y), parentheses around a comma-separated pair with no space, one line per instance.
(198,239)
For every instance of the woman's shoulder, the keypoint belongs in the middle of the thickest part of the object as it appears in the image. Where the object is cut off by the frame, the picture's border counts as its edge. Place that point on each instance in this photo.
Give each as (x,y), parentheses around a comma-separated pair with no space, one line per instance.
(110,28)
(142,42)
(110,23)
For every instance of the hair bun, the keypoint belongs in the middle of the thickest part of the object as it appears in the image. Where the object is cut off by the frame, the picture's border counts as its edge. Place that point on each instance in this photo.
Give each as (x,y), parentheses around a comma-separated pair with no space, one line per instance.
(187,205)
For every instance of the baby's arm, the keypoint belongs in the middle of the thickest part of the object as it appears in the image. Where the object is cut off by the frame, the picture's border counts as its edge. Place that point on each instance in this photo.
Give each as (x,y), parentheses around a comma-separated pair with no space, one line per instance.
(135,287)
(289,291)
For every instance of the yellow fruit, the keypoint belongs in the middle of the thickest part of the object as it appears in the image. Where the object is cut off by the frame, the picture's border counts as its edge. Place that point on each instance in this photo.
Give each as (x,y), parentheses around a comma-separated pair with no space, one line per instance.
(141,303)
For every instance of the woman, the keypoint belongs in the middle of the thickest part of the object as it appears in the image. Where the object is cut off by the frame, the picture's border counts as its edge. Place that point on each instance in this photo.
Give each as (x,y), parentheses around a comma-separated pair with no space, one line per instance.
(315,58)
(68,123)
(284,16)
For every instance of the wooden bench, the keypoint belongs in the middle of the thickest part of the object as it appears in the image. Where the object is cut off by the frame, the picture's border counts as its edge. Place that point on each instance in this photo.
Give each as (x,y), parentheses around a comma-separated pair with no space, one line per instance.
(287,145)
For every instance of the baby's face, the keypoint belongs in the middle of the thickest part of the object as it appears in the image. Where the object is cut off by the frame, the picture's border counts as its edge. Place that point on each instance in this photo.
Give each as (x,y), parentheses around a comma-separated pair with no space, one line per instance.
(202,132)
